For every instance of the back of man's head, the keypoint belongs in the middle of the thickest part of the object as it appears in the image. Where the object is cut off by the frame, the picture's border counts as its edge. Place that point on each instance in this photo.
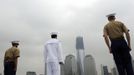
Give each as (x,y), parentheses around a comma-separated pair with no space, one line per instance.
(111,16)
(15,43)
(54,36)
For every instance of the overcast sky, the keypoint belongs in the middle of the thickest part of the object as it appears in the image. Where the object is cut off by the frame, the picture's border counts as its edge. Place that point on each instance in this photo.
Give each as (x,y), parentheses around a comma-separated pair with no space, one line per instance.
(32,21)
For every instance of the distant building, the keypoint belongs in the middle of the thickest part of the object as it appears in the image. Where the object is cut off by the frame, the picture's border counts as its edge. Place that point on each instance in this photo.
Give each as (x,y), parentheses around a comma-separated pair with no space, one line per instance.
(31,73)
(80,54)
(104,70)
(89,65)
(114,71)
(70,67)
(110,74)
(62,69)
(133,64)
(45,73)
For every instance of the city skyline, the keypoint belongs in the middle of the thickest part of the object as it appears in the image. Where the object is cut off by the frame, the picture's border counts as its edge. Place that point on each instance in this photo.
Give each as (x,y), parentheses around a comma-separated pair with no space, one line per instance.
(70,67)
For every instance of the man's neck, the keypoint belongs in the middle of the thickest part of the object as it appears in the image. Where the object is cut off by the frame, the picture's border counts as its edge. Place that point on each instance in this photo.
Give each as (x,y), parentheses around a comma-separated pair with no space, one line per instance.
(15,46)
(54,38)
(111,20)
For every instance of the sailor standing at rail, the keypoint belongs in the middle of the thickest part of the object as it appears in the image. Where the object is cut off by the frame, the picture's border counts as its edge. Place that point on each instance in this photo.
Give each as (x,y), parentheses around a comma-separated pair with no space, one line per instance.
(53,55)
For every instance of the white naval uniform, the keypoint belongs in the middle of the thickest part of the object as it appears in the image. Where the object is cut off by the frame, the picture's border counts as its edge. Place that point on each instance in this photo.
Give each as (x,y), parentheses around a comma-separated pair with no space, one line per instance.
(52,53)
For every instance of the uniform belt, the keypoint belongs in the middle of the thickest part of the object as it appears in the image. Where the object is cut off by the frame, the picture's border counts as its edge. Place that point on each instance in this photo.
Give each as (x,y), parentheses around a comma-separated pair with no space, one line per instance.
(9,61)
(119,38)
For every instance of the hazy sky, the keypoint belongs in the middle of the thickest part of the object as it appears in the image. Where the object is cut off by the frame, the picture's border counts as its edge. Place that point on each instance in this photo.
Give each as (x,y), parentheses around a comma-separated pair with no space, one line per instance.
(32,21)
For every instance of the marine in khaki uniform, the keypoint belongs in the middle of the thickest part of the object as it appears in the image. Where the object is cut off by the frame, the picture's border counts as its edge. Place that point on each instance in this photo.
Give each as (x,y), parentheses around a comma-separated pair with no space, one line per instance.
(120,48)
(11,59)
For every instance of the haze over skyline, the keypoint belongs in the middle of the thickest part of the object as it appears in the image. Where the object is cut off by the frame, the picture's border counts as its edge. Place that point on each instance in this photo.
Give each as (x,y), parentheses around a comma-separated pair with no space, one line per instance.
(32,21)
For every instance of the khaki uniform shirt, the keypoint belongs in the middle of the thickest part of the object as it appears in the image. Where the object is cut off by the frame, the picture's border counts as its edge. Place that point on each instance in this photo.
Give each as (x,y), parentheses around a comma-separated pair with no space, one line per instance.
(115,29)
(12,53)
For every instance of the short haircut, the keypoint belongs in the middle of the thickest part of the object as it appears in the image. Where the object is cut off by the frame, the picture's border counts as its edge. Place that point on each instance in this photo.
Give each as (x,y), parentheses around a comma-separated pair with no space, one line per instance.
(111,18)
(54,36)
(14,44)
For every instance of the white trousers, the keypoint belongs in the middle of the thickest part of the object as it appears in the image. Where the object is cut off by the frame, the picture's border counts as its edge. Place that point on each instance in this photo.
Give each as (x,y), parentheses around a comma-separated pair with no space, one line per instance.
(53,68)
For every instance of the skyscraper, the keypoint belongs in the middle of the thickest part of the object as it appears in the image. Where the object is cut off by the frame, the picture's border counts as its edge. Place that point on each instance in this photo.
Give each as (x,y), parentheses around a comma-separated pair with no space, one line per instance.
(133,64)
(104,70)
(114,71)
(31,73)
(62,69)
(70,66)
(45,73)
(80,54)
(109,73)
(79,43)
(89,65)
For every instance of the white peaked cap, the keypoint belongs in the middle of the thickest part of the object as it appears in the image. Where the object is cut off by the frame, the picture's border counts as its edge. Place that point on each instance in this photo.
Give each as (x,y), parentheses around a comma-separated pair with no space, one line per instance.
(54,33)
(15,41)
(112,14)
